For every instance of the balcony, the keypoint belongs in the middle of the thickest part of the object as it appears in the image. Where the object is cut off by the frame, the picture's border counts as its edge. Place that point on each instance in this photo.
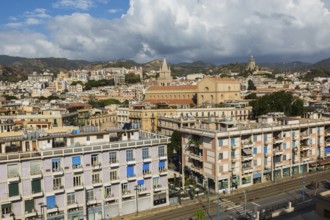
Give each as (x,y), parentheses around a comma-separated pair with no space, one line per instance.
(51,209)
(114,180)
(146,159)
(158,188)
(278,151)
(58,189)
(114,163)
(235,159)
(8,216)
(247,170)
(247,144)
(78,187)
(109,197)
(327,133)
(196,168)
(37,194)
(278,140)
(305,159)
(163,157)
(97,183)
(304,147)
(33,213)
(96,166)
(36,174)
(278,164)
(77,168)
(131,178)
(235,147)
(142,191)
(58,172)
(304,137)
(130,162)
(15,198)
(127,193)
(196,157)
(146,173)
(13,178)
(162,171)
(247,158)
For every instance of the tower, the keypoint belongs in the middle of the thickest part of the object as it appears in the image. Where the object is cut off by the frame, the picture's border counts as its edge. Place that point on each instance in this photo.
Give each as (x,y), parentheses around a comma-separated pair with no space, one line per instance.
(165,77)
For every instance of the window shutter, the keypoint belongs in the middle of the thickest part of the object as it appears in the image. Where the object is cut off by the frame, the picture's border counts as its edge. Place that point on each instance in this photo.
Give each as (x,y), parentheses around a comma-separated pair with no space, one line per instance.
(34,167)
(12,170)
(29,205)
(13,189)
(36,186)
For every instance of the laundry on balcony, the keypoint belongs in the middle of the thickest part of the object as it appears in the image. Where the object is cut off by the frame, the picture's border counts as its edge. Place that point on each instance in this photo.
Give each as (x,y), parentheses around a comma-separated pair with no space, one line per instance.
(247,151)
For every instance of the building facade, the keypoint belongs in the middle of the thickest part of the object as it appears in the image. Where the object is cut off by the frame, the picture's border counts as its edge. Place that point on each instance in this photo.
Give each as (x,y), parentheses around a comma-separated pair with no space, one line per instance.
(66,174)
(224,154)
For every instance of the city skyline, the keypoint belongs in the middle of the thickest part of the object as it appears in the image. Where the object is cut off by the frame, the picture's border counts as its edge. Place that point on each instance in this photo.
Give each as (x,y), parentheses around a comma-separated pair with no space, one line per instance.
(183,31)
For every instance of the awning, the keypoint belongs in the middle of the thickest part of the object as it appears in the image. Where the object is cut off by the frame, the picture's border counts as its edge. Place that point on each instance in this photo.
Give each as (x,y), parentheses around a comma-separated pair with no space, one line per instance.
(247,151)
(140,182)
(323,162)
(256,175)
(313,164)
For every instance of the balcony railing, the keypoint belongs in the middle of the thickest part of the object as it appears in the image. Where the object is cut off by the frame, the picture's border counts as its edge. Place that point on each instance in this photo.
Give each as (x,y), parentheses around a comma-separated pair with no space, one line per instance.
(146,172)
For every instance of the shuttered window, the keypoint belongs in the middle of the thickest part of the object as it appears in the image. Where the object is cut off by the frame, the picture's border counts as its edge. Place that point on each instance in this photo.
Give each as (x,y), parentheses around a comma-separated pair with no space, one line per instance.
(13,189)
(12,170)
(51,202)
(34,167)
(29,206)
(36,186)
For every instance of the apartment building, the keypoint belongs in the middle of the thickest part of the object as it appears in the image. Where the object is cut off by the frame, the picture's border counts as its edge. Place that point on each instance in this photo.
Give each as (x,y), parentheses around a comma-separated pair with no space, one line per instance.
(228,154)
(66,174)
(147,119)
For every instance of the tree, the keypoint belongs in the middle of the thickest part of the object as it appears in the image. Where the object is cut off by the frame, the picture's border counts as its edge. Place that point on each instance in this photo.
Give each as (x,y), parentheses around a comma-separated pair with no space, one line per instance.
(200,214)
(175,144)
(251,85)
(278,102)
(251,96)
(131,78)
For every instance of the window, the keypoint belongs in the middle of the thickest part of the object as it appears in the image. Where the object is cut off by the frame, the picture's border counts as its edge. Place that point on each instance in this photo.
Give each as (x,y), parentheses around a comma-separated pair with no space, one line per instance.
(130,171)
(161,165)
(113,175)
(90,195)
(220,169)
(36,186)
(311,131)
(13,189)
(284,157)
(51,202)
(124,188)
(95,178)
(255,150)
(145,153)
(161,151)
(145,168)
(88,138)
(140,185)
(284,145)
(155,182)
(232,142)
(12,170)
(220,156)
(34,167)
(113,157)
(6,208)
(129,155)
(29,205)
(99,136)
(56,164)
(255,162)
(293,144)
(220,142)
(255,138)
(77,181)
(71,198)
(94,160)
(76,163)
(265,149)
(57,183)
(107,192)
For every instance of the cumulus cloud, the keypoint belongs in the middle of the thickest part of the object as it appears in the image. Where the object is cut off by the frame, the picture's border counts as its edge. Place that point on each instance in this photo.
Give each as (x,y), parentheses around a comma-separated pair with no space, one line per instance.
(187,30)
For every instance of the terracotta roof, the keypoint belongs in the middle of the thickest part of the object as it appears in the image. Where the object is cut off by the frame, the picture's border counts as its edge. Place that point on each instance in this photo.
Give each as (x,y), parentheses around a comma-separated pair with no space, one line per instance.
(185,87)
(79,104)
(171,101)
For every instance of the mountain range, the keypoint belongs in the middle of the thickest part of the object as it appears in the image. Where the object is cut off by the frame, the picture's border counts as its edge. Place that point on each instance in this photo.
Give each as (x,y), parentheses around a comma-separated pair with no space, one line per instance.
(17,68)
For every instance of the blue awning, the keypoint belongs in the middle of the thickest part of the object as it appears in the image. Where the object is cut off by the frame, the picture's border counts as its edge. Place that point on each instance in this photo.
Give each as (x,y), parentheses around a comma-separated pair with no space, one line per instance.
(327,150)
(161,164)
(256,175)
(140,182)
(145,166)
(76,160)
(130,170)
(51,202)
(56,160)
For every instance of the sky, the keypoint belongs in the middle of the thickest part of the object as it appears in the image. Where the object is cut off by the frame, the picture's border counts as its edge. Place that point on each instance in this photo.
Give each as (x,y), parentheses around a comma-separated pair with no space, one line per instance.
(218,31)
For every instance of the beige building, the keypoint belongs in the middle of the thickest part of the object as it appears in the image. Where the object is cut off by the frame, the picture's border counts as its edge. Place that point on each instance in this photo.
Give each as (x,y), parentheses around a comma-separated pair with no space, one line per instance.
(217,90)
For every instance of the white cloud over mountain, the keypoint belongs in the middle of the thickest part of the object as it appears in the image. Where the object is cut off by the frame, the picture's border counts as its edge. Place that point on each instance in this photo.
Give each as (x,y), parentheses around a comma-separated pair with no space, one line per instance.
(183,30)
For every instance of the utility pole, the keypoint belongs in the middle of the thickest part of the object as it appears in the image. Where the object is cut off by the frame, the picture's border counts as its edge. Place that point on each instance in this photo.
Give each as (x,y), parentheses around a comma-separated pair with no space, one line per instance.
(244,191)
(303,183)
(218,205)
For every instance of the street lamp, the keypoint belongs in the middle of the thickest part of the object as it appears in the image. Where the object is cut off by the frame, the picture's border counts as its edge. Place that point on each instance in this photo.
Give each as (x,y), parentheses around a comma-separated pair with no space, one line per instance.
(41,204)
(136,188)
(303,184)
(218,204)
